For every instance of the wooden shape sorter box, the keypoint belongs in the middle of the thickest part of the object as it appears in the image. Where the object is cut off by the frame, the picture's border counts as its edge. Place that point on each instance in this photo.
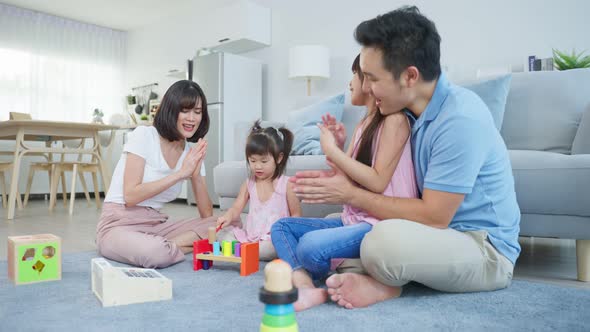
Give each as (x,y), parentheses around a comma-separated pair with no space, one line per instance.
(34,258)
(126,285)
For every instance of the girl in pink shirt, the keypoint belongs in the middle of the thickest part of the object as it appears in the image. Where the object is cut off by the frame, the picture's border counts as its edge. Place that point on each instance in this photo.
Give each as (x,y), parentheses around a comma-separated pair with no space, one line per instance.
(269,191)
(379,159)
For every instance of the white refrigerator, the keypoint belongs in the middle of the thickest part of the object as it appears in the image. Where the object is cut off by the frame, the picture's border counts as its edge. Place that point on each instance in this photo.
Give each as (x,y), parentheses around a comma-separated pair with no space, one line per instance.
(233,87)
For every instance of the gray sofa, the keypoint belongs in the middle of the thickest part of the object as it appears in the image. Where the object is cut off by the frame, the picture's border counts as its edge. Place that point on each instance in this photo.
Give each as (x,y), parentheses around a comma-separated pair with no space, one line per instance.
(547,130)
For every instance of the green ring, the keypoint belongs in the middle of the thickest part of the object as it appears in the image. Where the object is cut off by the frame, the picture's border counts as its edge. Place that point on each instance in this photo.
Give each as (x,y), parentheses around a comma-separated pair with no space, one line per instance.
(278,321)
(291,328)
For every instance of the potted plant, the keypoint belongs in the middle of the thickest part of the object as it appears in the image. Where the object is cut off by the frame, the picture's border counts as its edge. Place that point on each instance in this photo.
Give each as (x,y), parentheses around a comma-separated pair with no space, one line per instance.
(144,118)
(574,60)
(97,116)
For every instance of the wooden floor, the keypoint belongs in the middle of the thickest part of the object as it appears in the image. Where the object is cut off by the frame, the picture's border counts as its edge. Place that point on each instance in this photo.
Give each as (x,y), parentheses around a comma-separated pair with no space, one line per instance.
(544,260)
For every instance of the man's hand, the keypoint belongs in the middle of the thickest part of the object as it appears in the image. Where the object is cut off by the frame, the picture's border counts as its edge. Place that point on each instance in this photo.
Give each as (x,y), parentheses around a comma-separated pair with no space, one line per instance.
(323,187)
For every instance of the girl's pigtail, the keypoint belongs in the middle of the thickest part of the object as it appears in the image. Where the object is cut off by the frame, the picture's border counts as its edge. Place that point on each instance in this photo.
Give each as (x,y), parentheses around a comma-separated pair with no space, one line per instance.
(256,128)
(286,149)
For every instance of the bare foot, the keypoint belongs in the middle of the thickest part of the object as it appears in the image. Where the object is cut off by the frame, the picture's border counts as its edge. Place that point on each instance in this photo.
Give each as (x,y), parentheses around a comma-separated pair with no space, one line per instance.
(351,290)
(310,297)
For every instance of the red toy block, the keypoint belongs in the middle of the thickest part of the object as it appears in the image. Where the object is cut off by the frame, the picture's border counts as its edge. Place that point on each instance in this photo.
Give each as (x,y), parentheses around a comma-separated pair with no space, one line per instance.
(199,247)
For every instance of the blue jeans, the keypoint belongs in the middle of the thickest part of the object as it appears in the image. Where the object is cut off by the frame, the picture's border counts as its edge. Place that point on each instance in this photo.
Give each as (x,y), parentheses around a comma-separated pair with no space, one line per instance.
(311,243)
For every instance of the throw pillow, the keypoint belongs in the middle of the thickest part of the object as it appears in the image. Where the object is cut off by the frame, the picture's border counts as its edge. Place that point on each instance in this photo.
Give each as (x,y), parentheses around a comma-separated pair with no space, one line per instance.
(303,124)
(494,93)
(581,143)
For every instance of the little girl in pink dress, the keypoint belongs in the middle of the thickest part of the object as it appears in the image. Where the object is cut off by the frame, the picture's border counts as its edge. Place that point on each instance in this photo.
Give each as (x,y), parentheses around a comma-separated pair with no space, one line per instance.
(267,189)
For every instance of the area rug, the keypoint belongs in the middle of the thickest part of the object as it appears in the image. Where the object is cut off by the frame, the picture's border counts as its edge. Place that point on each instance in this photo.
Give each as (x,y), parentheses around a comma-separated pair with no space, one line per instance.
(220,300)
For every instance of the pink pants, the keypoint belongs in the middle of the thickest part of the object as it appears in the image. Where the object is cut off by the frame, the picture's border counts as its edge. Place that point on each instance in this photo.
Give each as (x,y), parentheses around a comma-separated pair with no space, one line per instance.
(141,236)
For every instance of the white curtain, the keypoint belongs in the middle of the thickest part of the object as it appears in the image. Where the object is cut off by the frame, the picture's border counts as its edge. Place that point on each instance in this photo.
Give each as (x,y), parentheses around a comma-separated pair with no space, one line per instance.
(59,69)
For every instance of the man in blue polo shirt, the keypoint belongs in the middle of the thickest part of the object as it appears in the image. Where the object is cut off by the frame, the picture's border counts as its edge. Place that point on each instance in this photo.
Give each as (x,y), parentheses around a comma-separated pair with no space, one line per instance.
(461,235)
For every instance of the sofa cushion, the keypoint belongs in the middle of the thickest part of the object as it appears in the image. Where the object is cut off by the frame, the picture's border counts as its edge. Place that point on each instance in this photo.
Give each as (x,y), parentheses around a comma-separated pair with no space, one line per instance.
(494,93)
(229,176)
(582,141)
(551,183)
(351,115)
(544,108)
(303,123)
(306,163)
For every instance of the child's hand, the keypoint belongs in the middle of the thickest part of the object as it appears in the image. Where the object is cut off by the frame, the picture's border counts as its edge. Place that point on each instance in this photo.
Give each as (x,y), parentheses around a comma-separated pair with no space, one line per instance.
(223,221)
(337,129)
(327,140)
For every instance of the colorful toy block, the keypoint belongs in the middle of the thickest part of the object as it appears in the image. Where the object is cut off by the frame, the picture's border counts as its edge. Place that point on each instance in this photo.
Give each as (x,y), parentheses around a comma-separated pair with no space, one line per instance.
(34,258)
(278,295)
(206,251)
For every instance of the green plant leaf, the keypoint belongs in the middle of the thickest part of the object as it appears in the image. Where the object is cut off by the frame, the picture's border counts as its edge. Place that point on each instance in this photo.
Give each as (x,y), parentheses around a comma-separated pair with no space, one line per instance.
(584,63)
(570,62)
(565,61)
(558,54)
(559,65)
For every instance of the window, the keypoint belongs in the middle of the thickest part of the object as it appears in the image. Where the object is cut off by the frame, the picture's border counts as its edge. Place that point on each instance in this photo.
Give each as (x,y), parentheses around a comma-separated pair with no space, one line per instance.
(59,69)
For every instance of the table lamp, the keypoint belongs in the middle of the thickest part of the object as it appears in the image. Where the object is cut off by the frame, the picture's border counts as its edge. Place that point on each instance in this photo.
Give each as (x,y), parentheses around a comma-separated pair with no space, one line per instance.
(309,61)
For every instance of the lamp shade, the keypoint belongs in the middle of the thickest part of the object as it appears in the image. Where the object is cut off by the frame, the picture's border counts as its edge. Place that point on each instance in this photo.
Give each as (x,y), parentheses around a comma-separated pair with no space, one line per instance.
(310,61)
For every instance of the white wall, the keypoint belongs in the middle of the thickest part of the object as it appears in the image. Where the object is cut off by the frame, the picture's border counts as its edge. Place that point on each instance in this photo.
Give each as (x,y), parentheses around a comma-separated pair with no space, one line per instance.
(475,34)
(155,49)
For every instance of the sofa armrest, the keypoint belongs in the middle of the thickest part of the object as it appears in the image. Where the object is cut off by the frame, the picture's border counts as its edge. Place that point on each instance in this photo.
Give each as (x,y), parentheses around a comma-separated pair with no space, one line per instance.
(581,143)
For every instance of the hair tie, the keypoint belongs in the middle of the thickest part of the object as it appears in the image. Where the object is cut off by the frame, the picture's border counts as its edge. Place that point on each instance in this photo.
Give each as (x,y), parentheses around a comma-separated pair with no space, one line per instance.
(280,133)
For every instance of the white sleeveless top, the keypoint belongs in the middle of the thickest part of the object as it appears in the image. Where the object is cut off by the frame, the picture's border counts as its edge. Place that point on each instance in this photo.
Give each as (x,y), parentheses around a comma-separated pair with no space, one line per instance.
(145,143)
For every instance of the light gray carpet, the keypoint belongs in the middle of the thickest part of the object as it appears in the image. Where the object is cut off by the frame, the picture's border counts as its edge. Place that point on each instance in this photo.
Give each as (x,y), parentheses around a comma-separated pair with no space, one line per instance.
(221,300)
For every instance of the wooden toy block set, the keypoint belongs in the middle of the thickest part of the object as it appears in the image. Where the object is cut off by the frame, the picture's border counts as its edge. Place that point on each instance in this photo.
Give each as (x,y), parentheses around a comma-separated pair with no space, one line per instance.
(34,258)
(124,285)
(206,251)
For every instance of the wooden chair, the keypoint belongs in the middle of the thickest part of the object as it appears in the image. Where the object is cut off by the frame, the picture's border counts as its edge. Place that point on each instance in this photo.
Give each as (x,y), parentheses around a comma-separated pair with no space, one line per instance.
(79,167)
(7,167)
(34,166)
(19,116)
(48,167)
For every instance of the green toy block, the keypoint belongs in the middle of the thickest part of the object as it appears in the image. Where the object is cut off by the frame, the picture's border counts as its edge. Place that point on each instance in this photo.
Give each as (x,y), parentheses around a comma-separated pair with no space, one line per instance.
(34,258)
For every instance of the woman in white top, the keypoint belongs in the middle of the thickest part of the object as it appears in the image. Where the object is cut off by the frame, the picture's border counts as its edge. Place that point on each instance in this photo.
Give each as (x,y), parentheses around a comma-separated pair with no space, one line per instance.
(155,162)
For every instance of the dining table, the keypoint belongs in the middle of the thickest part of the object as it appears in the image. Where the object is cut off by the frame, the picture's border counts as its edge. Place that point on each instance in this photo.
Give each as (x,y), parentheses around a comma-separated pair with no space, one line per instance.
(23,132)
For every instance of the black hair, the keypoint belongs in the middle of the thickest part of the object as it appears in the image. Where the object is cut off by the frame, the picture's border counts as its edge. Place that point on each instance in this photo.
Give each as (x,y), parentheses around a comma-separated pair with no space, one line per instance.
(365,150)
(267,140)
(180,96)
(406,38)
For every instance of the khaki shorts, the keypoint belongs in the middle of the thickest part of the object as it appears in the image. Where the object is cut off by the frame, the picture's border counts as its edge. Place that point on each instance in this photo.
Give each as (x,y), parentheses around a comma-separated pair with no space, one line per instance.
(397,251)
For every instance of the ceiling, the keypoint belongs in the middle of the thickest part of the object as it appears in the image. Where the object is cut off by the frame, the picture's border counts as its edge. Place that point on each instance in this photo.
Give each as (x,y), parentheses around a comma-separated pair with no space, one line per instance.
(114,14)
